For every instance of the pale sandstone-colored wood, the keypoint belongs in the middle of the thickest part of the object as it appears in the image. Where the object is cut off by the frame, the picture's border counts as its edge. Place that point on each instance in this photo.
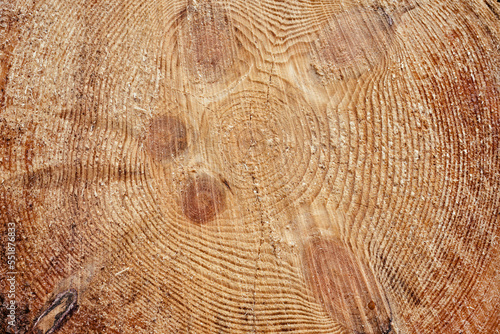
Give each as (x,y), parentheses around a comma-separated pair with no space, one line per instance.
(251,166)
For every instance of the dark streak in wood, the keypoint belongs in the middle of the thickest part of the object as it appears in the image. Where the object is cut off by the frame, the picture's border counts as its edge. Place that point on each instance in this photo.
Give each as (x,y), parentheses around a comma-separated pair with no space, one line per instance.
(57,313)
(398,283)
(495,11)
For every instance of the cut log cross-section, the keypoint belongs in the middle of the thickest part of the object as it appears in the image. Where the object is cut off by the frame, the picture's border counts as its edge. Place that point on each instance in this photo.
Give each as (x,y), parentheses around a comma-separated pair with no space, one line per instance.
(250,166)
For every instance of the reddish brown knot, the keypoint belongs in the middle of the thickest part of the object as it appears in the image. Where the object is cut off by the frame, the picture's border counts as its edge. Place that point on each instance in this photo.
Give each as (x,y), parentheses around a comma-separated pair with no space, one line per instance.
(166,138)
(208,34)
(203,199)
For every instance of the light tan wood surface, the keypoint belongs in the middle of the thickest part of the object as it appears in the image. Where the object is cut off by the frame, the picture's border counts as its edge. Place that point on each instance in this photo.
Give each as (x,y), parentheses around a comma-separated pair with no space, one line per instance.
(251,166)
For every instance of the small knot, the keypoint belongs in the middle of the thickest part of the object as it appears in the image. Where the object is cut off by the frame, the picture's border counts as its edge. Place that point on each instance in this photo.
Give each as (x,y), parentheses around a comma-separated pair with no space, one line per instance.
(203,199)
(166,138)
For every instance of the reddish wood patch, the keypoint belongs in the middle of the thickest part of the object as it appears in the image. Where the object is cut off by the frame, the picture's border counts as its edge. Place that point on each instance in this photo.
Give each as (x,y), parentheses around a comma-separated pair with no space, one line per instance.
(346,287)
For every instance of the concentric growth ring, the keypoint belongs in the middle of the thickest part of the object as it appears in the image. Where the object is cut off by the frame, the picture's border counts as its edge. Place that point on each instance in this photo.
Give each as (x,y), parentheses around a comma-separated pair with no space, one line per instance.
(270,144)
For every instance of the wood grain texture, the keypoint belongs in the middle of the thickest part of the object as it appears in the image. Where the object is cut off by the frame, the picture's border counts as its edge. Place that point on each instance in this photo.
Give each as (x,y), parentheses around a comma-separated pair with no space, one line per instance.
(256,166)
